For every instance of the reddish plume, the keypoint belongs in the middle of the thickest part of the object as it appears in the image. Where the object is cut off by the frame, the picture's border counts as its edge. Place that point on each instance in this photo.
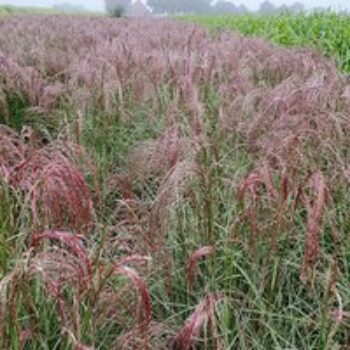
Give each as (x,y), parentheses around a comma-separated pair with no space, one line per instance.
(55,189)
(193,260)
(144,309)
(203,315)
(315,204)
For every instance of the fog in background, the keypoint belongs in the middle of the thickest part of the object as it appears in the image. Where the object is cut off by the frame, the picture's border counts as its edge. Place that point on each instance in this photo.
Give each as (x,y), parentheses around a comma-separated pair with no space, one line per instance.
(98,5)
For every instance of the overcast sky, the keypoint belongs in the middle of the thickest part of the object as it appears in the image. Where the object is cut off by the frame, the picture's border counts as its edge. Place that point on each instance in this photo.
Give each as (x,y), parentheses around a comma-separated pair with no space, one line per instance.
(252,4)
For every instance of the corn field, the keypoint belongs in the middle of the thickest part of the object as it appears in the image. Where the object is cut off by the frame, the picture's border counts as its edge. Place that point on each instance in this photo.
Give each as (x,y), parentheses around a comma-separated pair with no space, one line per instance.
(165,186)
(326,32)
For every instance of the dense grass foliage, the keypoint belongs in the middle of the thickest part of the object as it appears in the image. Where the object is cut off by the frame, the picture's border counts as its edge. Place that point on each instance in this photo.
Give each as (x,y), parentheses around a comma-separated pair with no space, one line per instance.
(327,32)
(165,188)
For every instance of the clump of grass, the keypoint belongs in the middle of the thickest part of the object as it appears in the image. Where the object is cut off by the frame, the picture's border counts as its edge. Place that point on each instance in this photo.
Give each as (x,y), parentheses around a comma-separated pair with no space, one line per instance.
(54,189)
(67,277)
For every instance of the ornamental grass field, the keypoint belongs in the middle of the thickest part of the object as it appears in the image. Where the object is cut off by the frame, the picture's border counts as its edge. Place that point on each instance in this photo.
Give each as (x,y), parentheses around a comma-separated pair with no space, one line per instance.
(166,187)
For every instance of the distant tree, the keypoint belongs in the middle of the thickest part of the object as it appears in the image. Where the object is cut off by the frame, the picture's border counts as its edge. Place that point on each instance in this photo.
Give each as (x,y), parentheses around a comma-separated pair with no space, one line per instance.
(227,7)
(282,9)
(138,9)
(294,8)
(197,6)
(267,7)
(179,6)
(224,7)
(117,7)
(297,7)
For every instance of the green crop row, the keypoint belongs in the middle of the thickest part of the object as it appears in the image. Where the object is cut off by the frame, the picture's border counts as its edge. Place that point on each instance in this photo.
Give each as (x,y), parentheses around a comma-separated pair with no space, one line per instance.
(327,32)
